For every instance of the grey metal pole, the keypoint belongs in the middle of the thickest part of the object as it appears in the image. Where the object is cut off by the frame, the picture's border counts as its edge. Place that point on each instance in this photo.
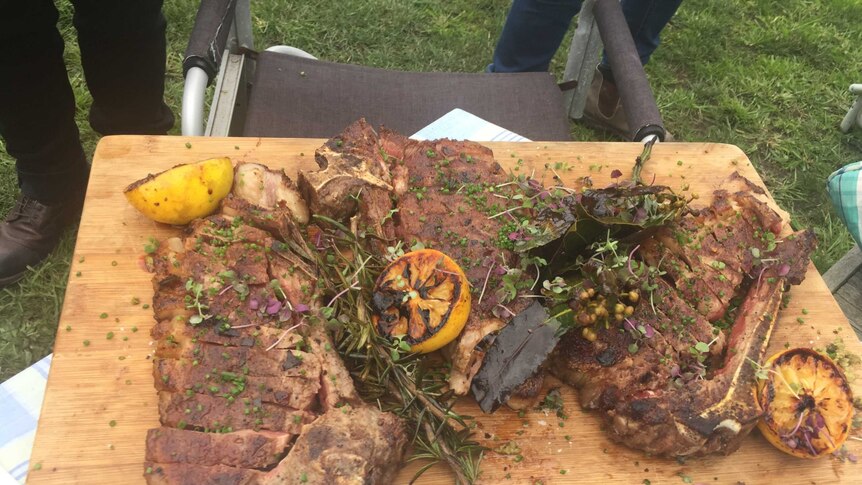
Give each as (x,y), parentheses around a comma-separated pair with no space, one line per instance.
(194,91)
(582,60)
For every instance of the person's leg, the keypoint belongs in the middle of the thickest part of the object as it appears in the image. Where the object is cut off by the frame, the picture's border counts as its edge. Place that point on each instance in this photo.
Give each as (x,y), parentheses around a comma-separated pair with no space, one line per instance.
(123,54)
(646,19)
(37,122)
(532,34)
(37,106)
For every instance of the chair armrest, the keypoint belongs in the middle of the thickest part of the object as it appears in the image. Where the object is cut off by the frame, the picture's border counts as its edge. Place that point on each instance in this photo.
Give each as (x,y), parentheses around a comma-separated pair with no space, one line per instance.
(209,36)
(637,98)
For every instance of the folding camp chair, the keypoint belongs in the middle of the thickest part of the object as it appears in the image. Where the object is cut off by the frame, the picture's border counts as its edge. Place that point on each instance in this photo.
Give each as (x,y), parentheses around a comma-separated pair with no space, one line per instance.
(285,92)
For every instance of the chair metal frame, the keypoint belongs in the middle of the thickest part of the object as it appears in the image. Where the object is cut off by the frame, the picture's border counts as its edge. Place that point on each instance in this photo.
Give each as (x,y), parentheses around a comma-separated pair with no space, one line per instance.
(854,114)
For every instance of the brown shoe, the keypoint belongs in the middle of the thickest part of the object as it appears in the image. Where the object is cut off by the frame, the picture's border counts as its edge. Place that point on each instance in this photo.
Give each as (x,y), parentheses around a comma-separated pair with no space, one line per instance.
(604,110)
(30,232)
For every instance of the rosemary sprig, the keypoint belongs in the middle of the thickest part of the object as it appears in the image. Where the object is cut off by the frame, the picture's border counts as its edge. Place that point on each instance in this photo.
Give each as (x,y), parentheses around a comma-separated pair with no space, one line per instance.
(642,159)
(385,371)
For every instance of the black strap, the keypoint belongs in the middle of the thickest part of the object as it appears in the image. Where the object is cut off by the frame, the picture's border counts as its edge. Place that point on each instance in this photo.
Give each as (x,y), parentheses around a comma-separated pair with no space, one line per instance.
(568,85)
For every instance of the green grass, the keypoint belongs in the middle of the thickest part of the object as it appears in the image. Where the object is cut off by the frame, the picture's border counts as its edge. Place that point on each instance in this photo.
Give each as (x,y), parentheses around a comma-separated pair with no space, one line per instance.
(769,76)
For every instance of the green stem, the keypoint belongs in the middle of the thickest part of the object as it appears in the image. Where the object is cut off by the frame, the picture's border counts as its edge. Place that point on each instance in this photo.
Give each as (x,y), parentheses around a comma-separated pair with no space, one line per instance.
(641,160)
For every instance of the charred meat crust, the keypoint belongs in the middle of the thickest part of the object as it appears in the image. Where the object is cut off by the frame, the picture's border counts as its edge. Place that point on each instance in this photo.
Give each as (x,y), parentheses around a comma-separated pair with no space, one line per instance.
(246,386)
(665,398)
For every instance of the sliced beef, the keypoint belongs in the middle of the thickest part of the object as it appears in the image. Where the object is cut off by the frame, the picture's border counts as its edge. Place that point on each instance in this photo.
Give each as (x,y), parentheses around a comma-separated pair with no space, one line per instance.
(297,392)
(199,410)
(176,336)
(243,449)
(188,474)
(246,360)
(239,367)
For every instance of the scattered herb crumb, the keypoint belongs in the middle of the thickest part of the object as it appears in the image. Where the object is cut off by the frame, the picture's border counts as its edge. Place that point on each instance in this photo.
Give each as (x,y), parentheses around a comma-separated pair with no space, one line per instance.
(151,246)
(37,466)
(122,357)
(519,458)
(68,328)
(114,263)
(78,274)
(145,306)
(134,329)
(646,481)
(805,311)
(136,300)
(236,147)
(86,343)
(188,145)
(103,315)
(685,478)
(112,423)
(109,335)
(563,472)
(508,448)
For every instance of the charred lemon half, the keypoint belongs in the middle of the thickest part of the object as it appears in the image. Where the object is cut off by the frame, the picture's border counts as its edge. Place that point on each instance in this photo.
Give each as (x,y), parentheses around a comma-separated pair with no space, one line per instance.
(423,296)
(807,403)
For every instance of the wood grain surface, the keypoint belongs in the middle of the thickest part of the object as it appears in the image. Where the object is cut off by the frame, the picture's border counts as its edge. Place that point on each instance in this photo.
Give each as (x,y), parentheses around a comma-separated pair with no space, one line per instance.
(100,398)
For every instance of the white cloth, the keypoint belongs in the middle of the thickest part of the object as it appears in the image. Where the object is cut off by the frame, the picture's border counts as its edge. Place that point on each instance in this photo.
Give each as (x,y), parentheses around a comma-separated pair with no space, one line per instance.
(20,404)
(461,125)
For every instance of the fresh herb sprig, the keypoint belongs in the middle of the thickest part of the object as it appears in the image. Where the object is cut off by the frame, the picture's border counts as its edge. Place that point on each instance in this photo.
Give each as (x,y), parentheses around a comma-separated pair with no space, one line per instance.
(193,300)
(385,371)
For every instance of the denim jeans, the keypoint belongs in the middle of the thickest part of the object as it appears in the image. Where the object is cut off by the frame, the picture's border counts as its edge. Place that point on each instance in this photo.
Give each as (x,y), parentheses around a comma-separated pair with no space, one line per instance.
(122,44)
(534,30)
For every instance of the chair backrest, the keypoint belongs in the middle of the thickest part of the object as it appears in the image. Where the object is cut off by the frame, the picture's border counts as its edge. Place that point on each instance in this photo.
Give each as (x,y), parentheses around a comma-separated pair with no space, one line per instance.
(297,97)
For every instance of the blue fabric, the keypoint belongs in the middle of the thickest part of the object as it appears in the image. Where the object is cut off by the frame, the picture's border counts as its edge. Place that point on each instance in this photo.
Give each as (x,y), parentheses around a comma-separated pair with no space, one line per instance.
(845,189)
(20,404)
(534,30)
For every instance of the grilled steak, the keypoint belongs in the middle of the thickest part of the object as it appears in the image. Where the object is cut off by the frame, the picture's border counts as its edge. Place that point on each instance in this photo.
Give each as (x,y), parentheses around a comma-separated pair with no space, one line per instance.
(249,390)
(684,386)
(445,194)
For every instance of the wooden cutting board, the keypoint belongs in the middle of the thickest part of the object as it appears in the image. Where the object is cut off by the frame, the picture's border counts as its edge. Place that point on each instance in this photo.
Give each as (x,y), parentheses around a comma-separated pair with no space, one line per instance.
(100,398)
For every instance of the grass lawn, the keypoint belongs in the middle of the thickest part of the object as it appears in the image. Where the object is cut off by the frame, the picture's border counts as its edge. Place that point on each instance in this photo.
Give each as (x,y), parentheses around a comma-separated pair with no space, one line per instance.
(770,76)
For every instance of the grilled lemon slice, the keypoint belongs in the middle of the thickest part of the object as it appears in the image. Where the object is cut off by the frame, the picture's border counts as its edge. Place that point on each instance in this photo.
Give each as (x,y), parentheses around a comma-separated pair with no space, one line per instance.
(807,403)
(425,297)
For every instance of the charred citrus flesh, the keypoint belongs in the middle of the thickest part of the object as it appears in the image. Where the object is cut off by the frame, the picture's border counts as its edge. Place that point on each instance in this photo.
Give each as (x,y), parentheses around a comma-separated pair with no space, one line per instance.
(425,297)
(807,403)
